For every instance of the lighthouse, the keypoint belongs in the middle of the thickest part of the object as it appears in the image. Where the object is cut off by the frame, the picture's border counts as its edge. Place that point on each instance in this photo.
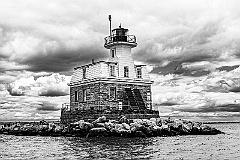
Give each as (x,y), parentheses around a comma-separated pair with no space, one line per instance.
(113,87)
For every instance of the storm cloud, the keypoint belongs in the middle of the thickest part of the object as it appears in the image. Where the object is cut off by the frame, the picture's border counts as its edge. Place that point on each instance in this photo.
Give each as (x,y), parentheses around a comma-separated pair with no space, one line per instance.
(191,49)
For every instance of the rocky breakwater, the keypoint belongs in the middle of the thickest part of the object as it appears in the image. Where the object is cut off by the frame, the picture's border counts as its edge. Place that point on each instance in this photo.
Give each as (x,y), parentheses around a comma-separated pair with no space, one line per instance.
(147,128)
(123,127)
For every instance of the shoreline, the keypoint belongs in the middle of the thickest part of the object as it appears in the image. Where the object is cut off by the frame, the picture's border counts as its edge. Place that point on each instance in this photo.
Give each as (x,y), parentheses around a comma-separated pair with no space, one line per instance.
(103,127)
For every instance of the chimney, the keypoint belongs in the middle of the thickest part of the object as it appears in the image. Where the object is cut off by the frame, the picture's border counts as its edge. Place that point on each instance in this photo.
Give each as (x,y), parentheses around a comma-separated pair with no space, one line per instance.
(92,61)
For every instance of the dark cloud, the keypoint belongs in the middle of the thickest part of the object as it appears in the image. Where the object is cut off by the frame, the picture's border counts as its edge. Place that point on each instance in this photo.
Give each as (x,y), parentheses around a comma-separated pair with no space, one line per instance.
(167,104)
(212,108)
(190,72)
(235,89)
(64,60)
(222,108)
(227,68)
(177,68)
(53,93)
(168,69)
(47,106)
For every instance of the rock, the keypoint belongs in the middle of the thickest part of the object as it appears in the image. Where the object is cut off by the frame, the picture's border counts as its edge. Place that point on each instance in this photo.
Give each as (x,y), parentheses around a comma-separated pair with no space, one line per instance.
(115,133)
(156,130)
(97,132)
(135,127)
(104,127)
(102,119)
(118,127)
(153,119)
(109,125)
(165,130)
(97,125)
(78,122)
(126,126)
(87,126)
(123,119)
(177,123)
(113,121)
(211,131)
(139,121)
(139,134)
(147,123)
(125,133)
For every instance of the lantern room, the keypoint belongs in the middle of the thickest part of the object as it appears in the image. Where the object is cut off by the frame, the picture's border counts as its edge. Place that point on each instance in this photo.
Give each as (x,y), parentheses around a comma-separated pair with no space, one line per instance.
(120,36)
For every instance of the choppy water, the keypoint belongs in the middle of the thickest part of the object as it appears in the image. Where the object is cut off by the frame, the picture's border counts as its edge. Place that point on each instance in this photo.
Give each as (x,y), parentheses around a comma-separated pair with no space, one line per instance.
(224,146)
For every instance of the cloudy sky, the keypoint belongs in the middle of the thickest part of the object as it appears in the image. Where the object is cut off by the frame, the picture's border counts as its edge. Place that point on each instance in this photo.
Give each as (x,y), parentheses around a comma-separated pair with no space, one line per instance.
(191,48)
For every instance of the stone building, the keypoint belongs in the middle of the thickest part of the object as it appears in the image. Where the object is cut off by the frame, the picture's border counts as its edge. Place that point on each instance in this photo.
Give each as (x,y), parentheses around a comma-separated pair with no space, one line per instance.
(112,87)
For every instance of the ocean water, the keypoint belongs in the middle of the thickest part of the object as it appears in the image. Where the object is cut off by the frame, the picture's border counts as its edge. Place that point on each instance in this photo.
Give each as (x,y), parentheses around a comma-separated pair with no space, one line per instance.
(223,146)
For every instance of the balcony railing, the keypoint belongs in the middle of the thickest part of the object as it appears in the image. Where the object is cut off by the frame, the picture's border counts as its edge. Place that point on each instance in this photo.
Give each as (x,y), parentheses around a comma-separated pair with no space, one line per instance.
(114,38)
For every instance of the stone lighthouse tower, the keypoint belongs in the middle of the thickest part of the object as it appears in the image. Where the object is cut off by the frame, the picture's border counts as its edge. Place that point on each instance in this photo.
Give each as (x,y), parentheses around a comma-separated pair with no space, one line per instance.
(113,87)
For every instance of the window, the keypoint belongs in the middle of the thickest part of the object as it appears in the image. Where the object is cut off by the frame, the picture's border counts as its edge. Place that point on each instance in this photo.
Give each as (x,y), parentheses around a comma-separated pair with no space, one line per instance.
(112,53)
(84,72)
(76,96)
(126,71)
(139,72)
(119,105)
(112,70)
(84,95)
(148,100)
(148,96)
(112,93)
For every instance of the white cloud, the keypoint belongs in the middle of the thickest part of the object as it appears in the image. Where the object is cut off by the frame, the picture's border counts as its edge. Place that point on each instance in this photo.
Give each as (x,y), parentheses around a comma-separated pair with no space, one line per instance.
(211,95)
(46,37)
(53,85)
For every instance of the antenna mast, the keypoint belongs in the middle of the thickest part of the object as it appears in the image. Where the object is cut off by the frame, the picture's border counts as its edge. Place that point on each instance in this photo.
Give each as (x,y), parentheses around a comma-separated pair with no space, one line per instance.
(110,18)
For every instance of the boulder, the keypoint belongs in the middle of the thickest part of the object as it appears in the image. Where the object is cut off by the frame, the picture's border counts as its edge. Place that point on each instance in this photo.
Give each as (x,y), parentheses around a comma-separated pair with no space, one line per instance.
(118,127)
(139,134)
(139,121)
(147,122)
(97,132)
(135,127)
(156,130)
(109,125)
(123,119)
(97,125)
(102,119)
(126,126)
(125,133)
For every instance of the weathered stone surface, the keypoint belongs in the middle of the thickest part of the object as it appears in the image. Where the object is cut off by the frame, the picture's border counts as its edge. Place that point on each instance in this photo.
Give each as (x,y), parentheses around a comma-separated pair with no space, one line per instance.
(96,132)
(139,134)
(138,128)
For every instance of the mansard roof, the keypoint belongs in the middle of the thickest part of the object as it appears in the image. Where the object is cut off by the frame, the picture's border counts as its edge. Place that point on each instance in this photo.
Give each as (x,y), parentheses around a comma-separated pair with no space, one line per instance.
(94,63)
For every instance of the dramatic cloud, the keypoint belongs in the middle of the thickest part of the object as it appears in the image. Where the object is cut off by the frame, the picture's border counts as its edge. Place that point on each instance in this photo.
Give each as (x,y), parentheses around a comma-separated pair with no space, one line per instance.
(62,35)
(190,47)
(46,106)
(31,108)
(215,94)
(53,85)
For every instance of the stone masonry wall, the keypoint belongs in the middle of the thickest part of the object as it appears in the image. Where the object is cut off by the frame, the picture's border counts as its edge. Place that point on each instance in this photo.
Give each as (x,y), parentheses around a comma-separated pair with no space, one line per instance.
(97,95)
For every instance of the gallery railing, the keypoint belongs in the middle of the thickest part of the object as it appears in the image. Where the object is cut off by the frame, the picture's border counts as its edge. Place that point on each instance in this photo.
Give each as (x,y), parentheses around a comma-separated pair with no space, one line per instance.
(115,38)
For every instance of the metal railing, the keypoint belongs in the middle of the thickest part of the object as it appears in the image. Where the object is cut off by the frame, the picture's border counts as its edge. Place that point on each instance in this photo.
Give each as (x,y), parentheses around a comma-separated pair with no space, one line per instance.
(114,38)
(76,106)
(66,107)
